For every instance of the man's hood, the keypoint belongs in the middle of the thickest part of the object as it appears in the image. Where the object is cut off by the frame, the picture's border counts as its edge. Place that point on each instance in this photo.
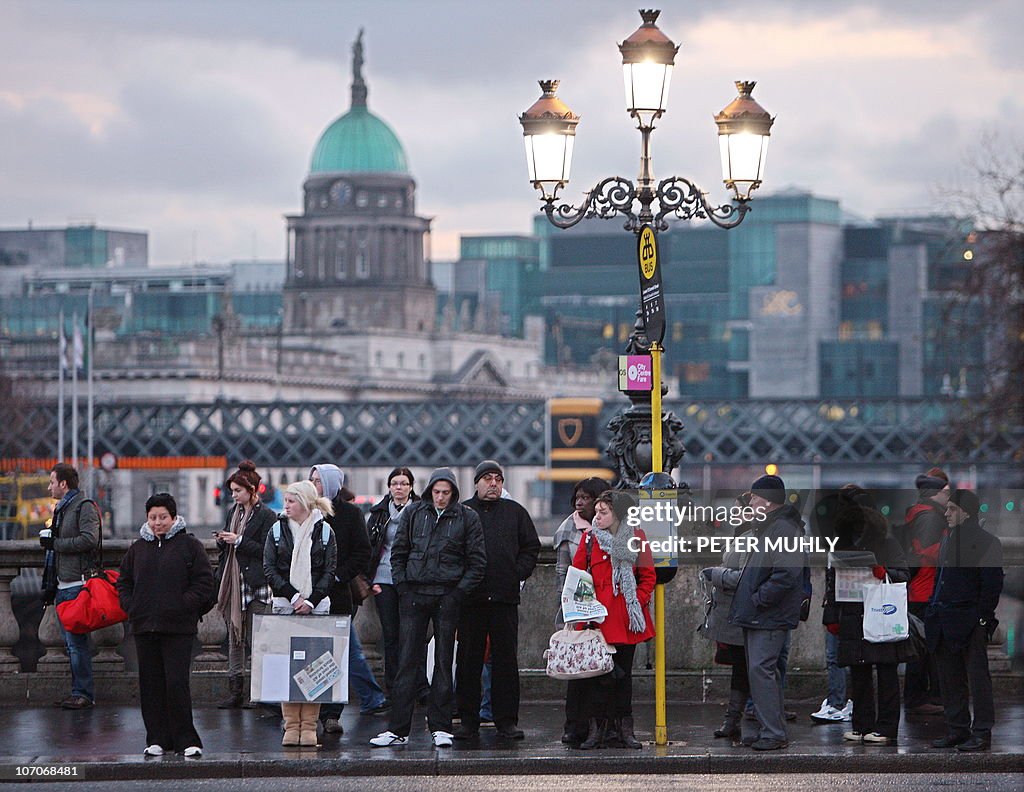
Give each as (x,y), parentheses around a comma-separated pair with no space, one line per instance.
(332,477)
(441,474)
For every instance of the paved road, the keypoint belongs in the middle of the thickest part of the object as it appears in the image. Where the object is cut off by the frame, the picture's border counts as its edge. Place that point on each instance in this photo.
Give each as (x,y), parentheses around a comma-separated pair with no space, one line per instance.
(1004,782)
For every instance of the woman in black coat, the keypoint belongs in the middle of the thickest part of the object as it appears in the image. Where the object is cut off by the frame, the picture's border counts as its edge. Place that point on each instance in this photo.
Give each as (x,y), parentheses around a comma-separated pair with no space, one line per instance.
(860,527)
(166,585)
(239,597)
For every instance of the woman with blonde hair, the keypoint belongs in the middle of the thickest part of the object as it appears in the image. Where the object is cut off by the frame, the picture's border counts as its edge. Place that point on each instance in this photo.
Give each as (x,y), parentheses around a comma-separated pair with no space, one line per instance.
(299,559)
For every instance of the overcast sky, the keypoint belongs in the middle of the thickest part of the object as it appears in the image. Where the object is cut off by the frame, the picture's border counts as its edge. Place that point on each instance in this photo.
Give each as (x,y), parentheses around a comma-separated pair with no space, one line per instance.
(196,120)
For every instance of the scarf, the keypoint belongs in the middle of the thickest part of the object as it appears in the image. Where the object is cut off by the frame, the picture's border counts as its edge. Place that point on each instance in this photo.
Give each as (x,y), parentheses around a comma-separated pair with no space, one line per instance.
(300,573)
(623,579)
(229,595)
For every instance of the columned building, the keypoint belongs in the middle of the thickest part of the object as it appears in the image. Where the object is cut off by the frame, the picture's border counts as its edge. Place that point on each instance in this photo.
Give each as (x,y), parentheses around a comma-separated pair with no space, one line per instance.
(356,253)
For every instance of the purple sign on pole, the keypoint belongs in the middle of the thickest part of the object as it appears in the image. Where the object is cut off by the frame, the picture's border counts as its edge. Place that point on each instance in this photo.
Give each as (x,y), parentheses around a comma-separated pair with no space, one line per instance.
(636,373)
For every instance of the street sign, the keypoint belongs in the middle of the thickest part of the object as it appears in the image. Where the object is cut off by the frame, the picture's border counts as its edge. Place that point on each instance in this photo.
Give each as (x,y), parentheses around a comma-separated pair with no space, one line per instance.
(636,373)
(652,298)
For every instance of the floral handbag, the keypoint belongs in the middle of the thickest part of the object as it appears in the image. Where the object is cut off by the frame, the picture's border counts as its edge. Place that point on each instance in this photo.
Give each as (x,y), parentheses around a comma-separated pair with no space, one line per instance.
(578,654)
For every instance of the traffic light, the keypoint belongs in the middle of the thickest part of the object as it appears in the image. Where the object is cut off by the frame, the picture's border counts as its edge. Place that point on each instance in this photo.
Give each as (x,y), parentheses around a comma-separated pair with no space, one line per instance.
(216,496)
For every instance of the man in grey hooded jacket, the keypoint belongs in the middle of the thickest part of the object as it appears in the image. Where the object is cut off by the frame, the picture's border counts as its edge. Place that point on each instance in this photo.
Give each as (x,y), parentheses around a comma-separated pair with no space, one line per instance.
(438,558)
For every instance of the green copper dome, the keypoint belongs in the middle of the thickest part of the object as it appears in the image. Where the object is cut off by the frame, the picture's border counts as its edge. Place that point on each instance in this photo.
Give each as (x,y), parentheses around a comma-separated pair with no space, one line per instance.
(359,142)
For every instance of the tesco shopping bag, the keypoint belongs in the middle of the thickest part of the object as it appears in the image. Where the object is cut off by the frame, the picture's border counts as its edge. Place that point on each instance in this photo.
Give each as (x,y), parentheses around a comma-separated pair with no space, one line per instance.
(579,600)
(885,612)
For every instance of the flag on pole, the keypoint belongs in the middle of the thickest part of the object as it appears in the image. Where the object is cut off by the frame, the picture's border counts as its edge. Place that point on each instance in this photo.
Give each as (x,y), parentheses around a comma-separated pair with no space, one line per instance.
(63,348)
(78,347)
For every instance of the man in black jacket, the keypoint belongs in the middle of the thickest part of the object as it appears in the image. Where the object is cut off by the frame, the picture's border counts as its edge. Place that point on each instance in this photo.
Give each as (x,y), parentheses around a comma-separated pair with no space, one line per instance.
(492,609)
(960,619)
(438,558)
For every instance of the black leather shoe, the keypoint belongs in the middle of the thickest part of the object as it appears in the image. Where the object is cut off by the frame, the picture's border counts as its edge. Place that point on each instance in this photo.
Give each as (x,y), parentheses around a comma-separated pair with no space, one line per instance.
(510,732)
(976,743)
(951,741)
(76,703)
(465,732)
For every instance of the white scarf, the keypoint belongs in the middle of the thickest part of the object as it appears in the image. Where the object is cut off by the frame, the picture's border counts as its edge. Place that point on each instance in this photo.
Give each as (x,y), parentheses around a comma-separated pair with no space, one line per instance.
(300,573)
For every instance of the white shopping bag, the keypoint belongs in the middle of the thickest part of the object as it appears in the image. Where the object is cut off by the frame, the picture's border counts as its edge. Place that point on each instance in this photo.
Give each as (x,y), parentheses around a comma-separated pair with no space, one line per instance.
(579,600)
(885,612)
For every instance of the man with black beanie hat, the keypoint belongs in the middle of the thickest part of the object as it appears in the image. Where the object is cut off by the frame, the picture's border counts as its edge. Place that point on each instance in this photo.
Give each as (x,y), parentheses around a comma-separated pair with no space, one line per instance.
(767,606)
(960,620)
(491,611)
(924,527)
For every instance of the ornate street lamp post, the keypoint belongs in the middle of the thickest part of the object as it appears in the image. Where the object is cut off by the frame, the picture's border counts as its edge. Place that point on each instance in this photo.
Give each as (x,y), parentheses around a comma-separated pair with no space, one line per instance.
(549,130)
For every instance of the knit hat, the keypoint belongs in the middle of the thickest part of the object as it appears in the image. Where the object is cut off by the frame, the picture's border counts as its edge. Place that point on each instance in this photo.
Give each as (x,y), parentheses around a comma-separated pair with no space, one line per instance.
(967,501)
(932,482)
(771,488)
(246,476)
(485,467)
(621,502)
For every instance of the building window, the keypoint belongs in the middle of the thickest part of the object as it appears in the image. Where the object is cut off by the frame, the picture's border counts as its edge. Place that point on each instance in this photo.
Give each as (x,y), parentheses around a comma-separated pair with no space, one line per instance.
(382,201)
(340,262)
(362,199)
(378,359)
(423,361)
(361,261)
(401,360)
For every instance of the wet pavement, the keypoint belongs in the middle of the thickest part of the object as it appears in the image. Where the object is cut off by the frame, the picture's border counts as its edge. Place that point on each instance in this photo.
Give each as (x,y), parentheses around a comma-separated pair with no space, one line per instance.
(107,742)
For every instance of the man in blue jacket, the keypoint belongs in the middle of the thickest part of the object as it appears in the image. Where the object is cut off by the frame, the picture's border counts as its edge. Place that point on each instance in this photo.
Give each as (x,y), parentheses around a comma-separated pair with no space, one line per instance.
(960,619)
(767,605)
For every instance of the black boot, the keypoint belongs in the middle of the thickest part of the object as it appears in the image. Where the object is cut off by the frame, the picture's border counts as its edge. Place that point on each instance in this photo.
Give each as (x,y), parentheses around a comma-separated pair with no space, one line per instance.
(596,735)
(626,737)
(733,712)
(234,699)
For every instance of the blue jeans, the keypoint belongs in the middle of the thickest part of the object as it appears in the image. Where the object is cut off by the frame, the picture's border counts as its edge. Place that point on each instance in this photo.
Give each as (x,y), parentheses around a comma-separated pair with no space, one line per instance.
(485,693)
(361,679)
(79,651)
(836,675)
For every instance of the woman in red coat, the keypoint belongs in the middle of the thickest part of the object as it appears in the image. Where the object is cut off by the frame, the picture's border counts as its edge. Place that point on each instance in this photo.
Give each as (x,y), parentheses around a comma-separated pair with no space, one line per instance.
(624,578)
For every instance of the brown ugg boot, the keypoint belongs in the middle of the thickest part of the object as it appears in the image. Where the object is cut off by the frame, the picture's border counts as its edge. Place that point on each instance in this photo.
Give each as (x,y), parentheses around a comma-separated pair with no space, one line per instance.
(307,725)
(290,713)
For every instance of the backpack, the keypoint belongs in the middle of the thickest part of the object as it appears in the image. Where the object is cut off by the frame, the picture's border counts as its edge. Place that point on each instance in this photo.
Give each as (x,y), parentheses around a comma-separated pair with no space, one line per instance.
(325,532)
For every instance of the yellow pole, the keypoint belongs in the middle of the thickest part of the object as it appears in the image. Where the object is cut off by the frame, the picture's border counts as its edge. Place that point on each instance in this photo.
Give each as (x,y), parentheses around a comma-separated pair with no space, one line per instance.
(657,462)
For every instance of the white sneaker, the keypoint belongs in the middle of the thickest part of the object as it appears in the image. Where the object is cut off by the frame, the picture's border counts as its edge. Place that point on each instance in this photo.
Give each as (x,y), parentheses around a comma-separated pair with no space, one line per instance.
(847,711)
(442,739)
(853,736)
(153,750)
(386,738)
(823,711)
(193,751)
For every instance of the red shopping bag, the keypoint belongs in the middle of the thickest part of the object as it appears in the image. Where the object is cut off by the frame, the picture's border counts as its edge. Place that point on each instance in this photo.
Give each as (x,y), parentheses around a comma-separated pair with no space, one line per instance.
(96,605)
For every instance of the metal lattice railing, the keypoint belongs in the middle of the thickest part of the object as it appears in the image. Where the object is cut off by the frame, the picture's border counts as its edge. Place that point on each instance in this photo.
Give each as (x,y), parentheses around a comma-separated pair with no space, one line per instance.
(462,433)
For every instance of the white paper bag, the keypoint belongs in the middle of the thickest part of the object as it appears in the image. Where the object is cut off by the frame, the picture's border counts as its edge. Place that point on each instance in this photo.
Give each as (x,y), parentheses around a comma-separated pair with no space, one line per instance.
(579,600)
(885,612)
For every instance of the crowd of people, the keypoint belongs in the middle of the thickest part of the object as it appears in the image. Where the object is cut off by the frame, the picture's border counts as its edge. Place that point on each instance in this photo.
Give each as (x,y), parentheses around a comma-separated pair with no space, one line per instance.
(451,571)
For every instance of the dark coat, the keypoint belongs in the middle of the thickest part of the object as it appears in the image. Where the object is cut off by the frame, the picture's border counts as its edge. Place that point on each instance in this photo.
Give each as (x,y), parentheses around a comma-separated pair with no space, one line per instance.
(249,552)
(353,551)
(865,529)
(277,562)
(438,554)
(512,545)
(76,530)
(771,587)
(165,584)
(615,627)
(377,528)
(967,588)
